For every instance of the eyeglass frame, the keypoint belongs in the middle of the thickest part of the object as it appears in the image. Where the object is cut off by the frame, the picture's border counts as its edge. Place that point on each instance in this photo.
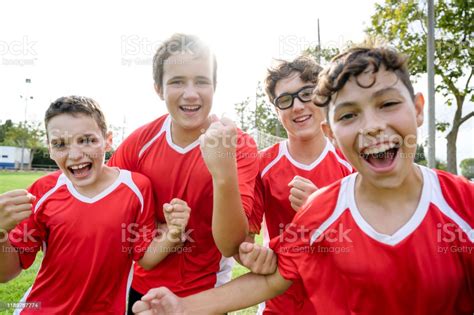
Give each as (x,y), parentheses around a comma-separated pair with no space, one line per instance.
(293,96)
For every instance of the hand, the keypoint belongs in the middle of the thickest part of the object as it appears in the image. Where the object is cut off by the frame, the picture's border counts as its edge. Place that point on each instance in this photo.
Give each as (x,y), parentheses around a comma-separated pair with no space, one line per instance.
(177,214)
(260,260)
(159,301)
(15,206)
(218,146)
(301,189)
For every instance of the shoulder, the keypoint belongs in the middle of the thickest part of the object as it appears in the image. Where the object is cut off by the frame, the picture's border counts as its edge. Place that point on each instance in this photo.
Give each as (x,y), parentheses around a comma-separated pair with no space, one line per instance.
(457,191)
(324,203)
(45,183)
(269,156)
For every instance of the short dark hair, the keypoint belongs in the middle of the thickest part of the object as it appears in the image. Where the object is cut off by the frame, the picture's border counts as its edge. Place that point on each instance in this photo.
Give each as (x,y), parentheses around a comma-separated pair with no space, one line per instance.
(352,63)
(306,66)
(180,43)
(74,105)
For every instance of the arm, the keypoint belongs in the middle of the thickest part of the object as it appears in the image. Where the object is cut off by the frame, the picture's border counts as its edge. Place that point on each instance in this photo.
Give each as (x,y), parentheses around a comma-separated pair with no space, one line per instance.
(229,222)
(177,215)
(15,206)
(230,297)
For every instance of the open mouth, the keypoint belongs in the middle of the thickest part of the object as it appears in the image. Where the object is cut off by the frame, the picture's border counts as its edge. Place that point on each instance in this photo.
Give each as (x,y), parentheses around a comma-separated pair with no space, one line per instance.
(302,118)
(190,108)
(80,170)
(381,157)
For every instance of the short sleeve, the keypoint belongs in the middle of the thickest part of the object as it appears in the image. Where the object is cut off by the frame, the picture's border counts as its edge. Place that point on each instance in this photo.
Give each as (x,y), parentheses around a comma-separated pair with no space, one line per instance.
(146,219)
(247,169)
(256,218)
(290,250)
(28,236)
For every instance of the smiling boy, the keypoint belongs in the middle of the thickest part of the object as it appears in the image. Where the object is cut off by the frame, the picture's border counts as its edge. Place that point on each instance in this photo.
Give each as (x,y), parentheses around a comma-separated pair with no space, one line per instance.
(191,155)
(90,220)
(368,244)
(290,171)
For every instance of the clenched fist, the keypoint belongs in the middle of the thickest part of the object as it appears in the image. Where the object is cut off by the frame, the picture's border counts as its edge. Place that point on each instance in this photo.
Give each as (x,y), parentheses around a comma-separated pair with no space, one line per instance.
(176,214)
(15,206)
(218,146)
(300,190)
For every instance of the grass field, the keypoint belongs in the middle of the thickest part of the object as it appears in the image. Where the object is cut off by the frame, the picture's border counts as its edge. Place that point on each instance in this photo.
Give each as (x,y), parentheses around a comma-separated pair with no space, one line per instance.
(14,290)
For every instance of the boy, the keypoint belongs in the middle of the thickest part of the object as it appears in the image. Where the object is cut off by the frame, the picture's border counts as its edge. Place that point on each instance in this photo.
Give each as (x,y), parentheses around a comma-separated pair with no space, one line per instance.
(394,238)
(291,170)
(90,220)
(213,172)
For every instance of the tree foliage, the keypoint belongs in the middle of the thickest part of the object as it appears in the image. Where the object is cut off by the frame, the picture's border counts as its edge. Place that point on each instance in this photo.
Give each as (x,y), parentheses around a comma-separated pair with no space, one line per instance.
(404,25)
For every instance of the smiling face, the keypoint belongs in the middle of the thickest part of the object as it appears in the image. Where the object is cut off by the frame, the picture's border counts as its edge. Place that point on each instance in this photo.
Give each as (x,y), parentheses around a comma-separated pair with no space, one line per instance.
(375,128)
(301,121)
(188,90)
(78,147)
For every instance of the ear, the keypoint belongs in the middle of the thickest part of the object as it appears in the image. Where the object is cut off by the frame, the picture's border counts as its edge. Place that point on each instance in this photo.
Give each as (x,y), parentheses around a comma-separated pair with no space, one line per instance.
(159,91)
(108,141)
(419,106)
(326,128)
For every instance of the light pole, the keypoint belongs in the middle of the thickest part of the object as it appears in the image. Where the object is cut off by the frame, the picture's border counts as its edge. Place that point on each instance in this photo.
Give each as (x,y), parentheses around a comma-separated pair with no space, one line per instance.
(23,142)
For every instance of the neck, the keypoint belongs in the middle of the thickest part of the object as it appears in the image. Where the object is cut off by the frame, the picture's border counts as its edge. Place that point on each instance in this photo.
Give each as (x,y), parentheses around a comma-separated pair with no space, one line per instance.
(391,198)
(306,151)
(183,137)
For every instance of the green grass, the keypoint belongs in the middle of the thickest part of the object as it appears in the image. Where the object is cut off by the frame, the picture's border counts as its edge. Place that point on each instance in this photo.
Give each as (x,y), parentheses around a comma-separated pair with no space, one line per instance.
(13,291)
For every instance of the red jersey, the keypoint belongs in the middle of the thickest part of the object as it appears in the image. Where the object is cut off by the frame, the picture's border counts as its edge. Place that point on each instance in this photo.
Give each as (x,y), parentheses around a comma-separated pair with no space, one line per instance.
(277,169)
(89,244)
(347,267)
(177,172)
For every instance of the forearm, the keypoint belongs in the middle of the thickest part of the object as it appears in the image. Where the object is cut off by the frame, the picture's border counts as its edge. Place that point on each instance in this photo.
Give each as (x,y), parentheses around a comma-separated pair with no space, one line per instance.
(9,261)
(229,222)
(158,250)
(235,294)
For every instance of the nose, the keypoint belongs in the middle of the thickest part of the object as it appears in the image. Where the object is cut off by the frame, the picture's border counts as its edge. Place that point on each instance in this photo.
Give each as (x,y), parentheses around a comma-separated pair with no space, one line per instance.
(297,105)
(75,153)
(190,92)
(373,125)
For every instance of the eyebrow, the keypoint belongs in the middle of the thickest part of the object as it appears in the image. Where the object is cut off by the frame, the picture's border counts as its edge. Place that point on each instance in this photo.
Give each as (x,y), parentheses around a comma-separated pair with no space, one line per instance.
(376,94)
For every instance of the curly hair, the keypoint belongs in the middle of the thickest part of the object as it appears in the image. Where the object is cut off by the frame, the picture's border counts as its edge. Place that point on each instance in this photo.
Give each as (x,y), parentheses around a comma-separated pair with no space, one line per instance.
(355,61)
(305,65)
(74,105)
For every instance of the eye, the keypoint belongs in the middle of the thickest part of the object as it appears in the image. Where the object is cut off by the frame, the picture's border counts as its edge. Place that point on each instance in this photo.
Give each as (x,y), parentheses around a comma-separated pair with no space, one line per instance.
(58,144)
(87,140)
(176,82)
(390,103)
(203,82)
(347,116)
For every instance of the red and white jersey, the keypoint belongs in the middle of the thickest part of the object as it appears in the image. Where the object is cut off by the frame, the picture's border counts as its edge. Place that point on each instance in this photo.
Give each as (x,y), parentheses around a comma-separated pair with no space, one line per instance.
(347,267)
(277,169)
(89,244)
(177,172)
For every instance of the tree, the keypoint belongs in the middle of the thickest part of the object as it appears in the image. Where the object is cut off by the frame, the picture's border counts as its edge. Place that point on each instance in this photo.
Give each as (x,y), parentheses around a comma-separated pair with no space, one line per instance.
(403,24)
(4,128)
(28,135)
(420,154)
(260,116)
(467,168)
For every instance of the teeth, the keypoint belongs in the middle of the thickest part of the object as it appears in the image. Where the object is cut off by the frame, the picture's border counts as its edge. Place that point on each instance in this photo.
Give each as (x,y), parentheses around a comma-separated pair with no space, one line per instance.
(188,107)
(76,167)
(380,148)
(302,118)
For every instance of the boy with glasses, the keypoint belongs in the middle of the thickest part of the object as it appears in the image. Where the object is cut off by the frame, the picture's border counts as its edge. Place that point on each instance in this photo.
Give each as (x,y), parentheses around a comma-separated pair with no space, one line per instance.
(292,170)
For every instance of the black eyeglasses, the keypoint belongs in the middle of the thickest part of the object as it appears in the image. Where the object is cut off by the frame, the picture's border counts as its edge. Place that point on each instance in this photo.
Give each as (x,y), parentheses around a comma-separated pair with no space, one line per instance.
(285,100)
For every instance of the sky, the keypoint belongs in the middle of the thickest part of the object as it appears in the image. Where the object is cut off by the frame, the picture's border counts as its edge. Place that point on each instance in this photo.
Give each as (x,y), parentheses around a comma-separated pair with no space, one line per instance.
(103,49)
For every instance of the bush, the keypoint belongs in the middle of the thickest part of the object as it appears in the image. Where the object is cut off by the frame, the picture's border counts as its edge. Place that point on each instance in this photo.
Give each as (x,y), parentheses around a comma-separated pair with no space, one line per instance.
(467,168)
